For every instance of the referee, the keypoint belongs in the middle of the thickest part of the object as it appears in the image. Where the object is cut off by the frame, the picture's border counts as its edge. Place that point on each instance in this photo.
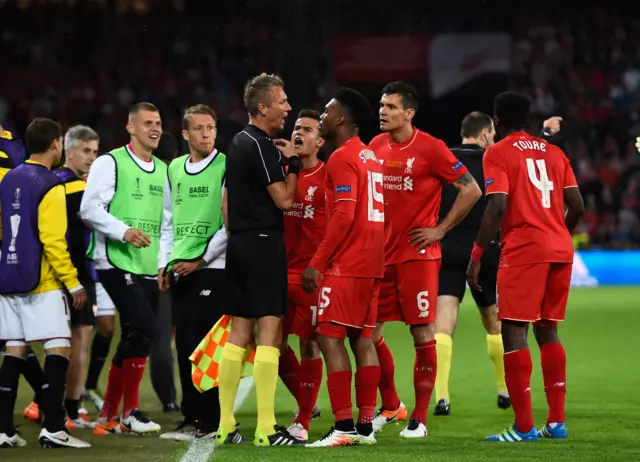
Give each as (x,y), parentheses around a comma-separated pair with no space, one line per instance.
(256,194)
(477,132)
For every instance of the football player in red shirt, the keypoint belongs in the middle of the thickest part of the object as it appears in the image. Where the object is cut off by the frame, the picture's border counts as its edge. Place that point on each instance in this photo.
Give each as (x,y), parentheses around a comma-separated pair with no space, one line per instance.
(350,259)
(304,227)
(415,166)
(528,182)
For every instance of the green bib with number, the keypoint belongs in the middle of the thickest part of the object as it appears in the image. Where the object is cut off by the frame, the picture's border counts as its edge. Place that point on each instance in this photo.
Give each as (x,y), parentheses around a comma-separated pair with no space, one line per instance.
(196,200)
(137,202)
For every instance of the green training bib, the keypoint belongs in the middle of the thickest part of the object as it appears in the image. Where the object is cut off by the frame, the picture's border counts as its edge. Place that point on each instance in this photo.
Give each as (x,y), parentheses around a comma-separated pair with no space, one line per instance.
(196,200)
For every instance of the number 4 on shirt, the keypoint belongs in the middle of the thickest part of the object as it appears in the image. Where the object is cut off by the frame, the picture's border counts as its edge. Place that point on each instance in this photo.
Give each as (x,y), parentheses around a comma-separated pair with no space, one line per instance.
(376,198)
(542,183)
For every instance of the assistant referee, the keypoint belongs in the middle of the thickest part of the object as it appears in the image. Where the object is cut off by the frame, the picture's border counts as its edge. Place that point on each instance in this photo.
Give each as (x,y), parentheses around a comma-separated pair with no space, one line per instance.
(257,191)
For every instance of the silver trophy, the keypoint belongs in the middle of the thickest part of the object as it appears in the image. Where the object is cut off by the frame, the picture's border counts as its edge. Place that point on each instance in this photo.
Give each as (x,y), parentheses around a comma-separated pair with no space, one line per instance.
(15,224)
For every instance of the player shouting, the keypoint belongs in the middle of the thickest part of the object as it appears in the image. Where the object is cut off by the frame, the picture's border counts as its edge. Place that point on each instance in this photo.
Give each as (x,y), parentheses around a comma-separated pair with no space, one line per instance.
(415,166)
(534,275)
(350,258)
(304,227)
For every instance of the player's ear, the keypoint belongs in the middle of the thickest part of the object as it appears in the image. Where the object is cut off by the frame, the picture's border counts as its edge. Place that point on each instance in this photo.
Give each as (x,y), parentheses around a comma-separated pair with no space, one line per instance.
(130,129)
(262,109)
(185,135)
(320,143)
(409,114)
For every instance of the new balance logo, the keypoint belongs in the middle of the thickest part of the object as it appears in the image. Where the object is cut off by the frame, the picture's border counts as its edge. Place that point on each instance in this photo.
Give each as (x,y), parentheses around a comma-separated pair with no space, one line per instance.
(407,183)
(558,384)
(205,293)
(128,280)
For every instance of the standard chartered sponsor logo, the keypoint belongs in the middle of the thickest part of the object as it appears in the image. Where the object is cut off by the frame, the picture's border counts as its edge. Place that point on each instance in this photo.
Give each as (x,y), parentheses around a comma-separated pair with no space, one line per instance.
(309,211)
(299,210)
(398,183)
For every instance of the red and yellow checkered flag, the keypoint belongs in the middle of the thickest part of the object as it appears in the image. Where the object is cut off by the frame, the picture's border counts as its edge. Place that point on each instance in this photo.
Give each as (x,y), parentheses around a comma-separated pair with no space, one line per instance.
(205,360)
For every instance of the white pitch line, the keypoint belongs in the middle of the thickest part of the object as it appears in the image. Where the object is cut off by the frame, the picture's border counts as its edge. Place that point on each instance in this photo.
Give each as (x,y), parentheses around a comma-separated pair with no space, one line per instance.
(199,451)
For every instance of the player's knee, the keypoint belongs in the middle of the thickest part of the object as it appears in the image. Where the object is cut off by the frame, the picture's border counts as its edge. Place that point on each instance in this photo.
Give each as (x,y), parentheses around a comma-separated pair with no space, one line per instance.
(514,335)
(545,332)
(17,348)
(422,333)
(309,349)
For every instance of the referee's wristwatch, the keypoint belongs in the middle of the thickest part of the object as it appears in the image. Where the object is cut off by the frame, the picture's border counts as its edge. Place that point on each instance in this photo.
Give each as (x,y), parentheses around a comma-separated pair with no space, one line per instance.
(294,165)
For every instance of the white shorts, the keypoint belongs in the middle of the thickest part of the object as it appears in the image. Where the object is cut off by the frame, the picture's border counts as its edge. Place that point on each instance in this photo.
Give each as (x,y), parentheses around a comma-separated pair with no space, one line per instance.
(35,317)
(104,305)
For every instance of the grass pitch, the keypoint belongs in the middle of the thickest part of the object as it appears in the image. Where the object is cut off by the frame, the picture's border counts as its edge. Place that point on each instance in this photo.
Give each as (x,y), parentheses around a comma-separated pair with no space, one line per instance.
(603,401)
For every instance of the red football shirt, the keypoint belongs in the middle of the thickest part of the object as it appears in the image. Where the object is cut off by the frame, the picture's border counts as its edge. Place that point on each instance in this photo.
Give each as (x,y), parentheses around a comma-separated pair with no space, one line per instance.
(305,223)
(414,172)
(534,174)
(354,174)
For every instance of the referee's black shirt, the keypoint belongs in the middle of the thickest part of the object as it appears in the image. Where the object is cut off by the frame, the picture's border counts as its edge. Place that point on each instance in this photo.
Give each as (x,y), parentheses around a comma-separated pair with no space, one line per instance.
(471,157)
(253,163)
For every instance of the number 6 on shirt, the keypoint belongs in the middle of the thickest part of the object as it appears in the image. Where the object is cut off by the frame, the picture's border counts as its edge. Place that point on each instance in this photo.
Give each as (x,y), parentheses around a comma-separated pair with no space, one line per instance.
(376,198)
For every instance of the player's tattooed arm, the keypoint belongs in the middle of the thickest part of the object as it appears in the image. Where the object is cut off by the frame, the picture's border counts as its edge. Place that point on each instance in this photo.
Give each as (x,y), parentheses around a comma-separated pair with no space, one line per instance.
(493,215)
(468,194)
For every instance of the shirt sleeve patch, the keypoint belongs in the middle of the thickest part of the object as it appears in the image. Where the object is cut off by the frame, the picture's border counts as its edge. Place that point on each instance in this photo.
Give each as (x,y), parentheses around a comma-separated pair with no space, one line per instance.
(343,189)
(489,182)
(455,167)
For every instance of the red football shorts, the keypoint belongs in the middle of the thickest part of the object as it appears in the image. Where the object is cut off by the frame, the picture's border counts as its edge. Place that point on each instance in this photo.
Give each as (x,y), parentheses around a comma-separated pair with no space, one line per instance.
(409,292)
(529,293)
(301,312)
(347,306)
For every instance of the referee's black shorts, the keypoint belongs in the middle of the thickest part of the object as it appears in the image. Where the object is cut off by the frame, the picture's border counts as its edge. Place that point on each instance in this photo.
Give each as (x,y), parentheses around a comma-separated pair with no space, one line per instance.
(456,253)
(256,274)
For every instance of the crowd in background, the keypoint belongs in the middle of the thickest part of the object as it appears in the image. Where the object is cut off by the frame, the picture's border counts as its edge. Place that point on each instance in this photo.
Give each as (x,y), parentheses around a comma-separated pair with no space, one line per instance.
(88,61)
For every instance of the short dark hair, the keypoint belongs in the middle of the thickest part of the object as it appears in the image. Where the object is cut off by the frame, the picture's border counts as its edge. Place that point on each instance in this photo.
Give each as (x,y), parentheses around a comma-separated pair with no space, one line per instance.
(512,109)
(258,91)
(407,92)
(473,123)
(309,114)
(355,104)
(41,133)
(143,106)
(197,109)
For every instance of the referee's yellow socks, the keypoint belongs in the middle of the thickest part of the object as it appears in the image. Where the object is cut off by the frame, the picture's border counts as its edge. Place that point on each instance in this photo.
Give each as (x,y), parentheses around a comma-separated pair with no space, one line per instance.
(265,374)
(444,350)
(496,353)
(229,374)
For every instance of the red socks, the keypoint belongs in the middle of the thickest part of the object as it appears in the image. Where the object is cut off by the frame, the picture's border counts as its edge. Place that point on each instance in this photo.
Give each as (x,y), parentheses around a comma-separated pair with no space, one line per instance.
(517,374)
(367,380)
(554,371)
(339,385)
(390,399)
(424,378)
(288,370)
(132,372)
(310,376)
(113,394)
